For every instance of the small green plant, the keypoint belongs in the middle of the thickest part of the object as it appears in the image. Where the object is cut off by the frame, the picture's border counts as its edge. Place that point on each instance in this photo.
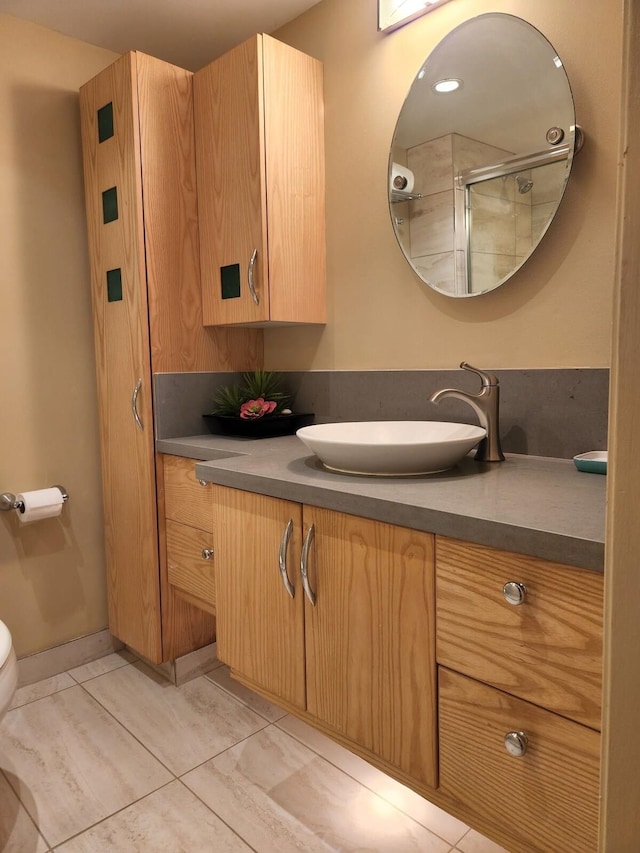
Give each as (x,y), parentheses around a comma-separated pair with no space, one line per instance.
(259,394)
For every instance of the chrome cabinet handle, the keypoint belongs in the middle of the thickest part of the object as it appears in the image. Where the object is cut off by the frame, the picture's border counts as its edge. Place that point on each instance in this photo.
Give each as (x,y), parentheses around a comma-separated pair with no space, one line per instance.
(252,286)
(516,743)
(134,404)
(304,565)
(284,545)
(207,553)
(514,593)
(203,482)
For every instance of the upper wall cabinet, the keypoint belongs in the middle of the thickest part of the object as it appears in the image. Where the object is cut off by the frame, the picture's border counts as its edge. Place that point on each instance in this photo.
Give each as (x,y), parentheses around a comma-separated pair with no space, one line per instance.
(260,168)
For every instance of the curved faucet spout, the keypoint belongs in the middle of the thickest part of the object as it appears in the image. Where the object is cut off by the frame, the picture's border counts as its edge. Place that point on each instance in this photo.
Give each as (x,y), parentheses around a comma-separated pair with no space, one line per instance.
(486,405)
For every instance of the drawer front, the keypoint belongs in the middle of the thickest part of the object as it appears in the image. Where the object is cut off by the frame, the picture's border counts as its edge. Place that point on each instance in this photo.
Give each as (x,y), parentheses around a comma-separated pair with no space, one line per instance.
(547,650)
(547,799)
(187,569)
(185,499)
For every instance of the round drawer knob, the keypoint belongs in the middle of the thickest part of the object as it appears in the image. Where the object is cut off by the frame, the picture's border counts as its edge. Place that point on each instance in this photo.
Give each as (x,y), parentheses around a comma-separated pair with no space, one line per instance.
(202,482)
(516,743)
(207,553)
(514,592)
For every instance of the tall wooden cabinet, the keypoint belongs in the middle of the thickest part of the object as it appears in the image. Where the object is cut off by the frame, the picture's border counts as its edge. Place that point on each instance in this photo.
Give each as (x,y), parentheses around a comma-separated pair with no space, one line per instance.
(260,164)
(140,184)
(355,651)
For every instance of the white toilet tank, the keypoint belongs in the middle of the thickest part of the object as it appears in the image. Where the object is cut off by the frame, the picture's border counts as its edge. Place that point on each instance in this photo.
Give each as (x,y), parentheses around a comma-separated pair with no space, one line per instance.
(8,669)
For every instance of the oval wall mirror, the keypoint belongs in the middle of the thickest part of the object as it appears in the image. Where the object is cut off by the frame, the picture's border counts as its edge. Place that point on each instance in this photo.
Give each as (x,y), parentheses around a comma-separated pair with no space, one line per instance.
(481,154)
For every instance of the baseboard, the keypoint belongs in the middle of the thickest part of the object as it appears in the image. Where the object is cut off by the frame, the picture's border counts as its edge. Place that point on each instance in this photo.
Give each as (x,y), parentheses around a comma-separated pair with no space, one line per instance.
(186,666)
(66,656)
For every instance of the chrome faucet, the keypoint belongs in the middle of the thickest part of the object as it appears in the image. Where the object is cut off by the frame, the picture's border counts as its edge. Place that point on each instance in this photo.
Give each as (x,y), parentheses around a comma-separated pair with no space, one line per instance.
(486,405)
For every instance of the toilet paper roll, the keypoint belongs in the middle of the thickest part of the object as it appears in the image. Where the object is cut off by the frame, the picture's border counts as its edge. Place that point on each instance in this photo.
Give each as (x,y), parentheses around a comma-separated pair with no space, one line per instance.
(401,178)
(43,503)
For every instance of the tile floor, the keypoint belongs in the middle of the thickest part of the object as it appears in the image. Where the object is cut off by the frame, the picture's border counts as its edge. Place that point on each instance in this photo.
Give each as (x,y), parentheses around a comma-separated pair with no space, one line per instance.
(111,757)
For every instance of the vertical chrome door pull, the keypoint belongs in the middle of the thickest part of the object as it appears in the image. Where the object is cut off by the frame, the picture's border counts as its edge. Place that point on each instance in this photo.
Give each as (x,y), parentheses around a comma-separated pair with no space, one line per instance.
(252,286)
(284,545)
(134,404)
(304,565)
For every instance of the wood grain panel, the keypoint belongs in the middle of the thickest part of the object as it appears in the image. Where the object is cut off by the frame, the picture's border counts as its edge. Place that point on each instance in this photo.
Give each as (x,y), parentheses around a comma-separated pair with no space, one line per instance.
(122,357)
(260,627)
(549,795)
(229,134)
(186,500)
(370,639)
(187,569)
(547,650)
(295,174)
(179,341)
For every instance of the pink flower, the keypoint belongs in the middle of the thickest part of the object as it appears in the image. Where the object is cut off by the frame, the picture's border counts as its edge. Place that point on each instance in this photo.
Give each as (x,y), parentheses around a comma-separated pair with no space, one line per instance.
(253,409)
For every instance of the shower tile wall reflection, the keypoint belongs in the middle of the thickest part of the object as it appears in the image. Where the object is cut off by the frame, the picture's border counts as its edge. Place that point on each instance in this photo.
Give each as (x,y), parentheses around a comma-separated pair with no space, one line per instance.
(508,214)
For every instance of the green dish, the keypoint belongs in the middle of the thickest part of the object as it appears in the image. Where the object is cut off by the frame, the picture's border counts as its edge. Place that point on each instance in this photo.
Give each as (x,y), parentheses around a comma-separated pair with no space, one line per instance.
(594,462)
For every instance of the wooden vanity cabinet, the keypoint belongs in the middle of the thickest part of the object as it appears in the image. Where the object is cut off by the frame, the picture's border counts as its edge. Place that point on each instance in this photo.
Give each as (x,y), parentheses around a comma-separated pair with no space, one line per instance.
(354,655)
(260,164)
(520,694)
(140,188)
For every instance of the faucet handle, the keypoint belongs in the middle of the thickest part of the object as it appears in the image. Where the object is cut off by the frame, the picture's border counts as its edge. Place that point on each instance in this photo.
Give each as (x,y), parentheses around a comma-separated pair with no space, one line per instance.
(488,379)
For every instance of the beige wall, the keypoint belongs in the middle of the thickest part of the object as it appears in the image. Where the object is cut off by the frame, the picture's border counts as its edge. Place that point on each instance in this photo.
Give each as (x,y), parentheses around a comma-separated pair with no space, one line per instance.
(556,312)
(52,582)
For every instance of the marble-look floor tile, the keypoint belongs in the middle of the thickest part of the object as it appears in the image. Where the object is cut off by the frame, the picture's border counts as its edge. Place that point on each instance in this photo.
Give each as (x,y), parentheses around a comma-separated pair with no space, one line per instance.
(279,795)
(473,842)
(40,689)
(72,764)
(17,830)
(171,820)
(182,726)
(222,677)
(404,799)
(102,665)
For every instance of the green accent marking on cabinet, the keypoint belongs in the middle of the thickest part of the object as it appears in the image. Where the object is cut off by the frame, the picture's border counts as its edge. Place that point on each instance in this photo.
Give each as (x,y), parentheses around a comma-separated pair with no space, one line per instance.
(114,285)
(105,122)
(110,205)
(230,281)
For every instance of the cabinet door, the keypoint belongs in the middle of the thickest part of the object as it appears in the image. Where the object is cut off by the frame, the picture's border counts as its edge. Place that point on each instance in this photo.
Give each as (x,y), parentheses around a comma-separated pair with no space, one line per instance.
(370,638)
(118,279)
(260,625)
(229,124)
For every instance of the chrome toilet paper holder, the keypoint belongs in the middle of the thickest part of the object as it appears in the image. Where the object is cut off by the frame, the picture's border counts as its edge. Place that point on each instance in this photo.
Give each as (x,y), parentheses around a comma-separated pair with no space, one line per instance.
(8,500)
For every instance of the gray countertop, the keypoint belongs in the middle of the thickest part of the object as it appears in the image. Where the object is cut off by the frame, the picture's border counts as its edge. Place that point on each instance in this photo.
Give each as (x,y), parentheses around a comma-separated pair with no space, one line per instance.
(534,505)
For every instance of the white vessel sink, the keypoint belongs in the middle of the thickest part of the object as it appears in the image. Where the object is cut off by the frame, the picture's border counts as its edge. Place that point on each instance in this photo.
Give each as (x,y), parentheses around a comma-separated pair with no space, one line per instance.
(391,448)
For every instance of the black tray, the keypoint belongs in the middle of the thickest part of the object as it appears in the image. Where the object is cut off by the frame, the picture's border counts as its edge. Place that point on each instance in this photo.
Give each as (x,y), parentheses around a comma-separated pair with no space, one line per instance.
(267,426)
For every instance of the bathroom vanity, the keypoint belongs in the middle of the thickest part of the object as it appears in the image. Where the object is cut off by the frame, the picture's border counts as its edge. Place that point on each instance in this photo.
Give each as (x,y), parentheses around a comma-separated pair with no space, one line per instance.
(447,628)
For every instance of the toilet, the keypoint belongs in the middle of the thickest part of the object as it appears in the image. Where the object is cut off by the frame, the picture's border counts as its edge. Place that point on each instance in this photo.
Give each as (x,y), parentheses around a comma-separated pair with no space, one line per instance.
(8,669)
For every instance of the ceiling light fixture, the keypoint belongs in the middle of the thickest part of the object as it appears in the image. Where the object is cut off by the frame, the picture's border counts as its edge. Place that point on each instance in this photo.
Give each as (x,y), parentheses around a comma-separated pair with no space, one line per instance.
(395,13)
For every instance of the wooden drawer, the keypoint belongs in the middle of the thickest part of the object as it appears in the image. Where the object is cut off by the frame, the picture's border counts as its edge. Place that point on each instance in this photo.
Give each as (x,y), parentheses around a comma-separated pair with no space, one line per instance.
(187,569)
(185,499)
(547,797)
(547,650)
